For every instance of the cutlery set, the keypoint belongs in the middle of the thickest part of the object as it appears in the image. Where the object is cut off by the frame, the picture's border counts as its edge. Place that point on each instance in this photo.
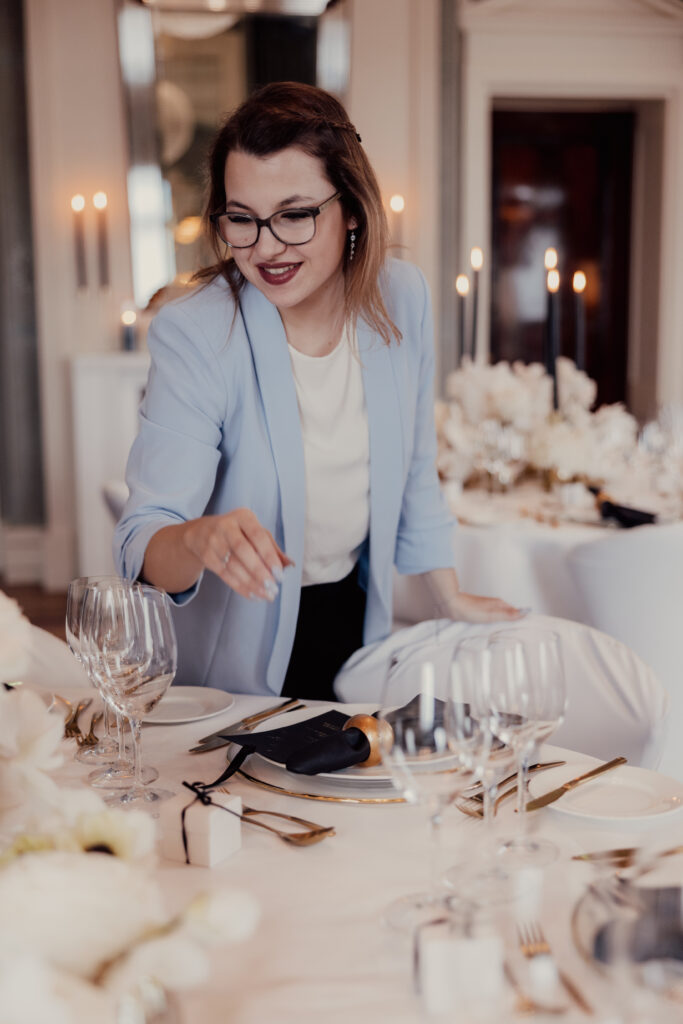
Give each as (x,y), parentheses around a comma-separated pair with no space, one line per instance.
(472,803)
(555,794)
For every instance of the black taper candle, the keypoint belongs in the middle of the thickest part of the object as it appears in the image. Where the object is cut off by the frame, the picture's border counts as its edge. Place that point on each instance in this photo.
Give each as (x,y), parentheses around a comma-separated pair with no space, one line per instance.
(578,284)
(554,329)
(78,206)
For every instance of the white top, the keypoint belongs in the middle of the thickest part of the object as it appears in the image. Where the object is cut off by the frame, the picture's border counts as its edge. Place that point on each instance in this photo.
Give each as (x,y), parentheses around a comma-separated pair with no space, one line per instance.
(334,426)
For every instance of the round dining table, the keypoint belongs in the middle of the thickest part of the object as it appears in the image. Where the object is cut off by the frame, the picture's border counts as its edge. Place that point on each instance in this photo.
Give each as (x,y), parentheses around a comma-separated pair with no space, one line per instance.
(321,951)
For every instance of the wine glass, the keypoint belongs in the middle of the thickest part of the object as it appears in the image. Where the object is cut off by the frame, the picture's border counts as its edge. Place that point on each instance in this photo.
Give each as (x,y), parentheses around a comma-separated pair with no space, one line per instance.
(486,757)
(107,749)
(132,640)
(420,750)
(117,769)
(526,697)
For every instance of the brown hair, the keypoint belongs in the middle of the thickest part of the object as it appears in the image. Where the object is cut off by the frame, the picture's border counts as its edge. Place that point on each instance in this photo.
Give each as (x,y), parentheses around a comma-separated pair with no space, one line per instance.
(292,114)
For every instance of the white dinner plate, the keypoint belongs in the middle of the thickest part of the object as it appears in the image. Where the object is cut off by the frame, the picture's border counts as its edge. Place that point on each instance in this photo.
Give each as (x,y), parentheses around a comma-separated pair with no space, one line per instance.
(181,704)
(621,794)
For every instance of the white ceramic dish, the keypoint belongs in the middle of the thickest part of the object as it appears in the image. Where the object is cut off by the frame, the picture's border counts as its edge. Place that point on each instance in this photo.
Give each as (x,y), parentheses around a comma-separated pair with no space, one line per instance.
(622,794)
(182,704)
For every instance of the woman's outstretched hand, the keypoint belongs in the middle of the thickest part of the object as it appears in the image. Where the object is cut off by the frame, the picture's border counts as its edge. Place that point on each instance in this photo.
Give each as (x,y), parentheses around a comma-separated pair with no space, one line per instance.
(472,608)
(240,551)
(451,602)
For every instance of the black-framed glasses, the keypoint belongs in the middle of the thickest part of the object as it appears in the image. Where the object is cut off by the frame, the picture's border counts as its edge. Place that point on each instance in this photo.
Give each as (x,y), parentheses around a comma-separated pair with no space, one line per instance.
(294,226)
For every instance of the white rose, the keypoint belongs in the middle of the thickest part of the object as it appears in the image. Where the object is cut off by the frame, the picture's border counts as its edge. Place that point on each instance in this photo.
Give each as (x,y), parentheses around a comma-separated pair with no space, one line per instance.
(76,910)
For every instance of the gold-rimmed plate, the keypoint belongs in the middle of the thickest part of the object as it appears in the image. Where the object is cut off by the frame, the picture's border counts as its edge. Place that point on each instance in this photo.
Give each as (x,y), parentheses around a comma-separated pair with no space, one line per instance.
(268,775)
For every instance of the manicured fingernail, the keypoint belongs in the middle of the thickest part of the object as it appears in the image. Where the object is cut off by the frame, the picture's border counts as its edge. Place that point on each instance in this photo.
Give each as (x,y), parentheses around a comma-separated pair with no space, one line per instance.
(277,572)
(271,589)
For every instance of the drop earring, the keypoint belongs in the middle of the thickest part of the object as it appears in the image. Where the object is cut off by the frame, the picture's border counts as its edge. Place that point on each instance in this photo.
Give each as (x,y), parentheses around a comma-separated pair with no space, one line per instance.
(352,247)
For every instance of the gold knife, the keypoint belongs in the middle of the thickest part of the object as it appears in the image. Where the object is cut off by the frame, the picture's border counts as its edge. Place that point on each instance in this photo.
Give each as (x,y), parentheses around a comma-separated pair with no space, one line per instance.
(555,794)
(627,853)
(216,739)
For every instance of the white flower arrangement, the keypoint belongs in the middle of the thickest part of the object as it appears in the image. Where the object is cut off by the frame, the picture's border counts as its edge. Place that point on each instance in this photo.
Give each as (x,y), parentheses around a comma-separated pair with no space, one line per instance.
(500,421)
(91,930)
(29,740)
(84,934)
(15,640)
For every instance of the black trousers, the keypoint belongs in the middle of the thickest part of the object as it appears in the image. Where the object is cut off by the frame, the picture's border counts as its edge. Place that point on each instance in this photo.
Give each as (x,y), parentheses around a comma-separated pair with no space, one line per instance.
(328,630)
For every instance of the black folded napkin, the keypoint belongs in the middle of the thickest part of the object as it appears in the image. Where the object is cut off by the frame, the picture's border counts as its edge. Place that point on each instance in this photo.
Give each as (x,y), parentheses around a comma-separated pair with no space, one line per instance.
(316,745)
(624,515)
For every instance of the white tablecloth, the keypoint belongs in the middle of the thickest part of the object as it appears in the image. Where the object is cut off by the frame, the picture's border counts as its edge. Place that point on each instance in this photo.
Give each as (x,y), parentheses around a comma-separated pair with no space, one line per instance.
(321,952)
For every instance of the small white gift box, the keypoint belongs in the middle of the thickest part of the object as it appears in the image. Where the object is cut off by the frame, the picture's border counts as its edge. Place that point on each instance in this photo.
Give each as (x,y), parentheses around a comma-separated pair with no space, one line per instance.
(213,833)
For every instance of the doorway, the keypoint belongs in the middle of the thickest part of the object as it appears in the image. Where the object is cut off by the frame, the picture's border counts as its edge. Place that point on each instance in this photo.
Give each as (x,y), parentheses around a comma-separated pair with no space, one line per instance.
(563,179)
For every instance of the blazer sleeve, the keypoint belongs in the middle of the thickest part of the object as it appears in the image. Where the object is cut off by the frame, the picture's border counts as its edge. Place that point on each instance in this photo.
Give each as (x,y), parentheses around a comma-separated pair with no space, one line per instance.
(172,465)
(425,531)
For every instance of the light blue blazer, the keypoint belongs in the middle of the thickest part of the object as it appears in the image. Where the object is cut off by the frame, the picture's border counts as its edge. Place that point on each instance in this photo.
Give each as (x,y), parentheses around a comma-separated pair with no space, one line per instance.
(220,429)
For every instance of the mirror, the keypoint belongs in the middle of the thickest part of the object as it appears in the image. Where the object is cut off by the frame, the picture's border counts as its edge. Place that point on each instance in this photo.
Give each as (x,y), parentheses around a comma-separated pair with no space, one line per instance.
(184,65)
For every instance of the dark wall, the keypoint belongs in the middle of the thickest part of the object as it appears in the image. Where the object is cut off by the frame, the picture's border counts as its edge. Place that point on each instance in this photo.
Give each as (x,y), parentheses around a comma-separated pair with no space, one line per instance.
(21,490)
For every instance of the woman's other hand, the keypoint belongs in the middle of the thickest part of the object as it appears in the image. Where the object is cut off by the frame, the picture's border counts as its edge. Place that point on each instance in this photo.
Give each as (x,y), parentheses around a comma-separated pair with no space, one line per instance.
(451,602)
(472,608)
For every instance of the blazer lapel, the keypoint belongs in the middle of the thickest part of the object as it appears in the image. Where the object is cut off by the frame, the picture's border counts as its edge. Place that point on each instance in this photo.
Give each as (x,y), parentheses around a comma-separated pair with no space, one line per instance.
(386,467)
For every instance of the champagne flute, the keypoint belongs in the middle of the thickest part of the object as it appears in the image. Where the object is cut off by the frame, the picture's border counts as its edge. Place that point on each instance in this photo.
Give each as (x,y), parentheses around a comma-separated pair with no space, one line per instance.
(134,637)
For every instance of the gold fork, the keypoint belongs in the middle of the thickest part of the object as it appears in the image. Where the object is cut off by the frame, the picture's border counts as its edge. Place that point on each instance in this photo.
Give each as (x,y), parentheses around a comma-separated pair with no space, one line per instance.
(525,1004)
(532,942)
(313,833)
(90,738)
(72,729)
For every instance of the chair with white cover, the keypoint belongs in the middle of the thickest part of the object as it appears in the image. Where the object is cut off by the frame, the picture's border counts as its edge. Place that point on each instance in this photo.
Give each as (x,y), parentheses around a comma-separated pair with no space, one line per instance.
(616,704)
(631,586)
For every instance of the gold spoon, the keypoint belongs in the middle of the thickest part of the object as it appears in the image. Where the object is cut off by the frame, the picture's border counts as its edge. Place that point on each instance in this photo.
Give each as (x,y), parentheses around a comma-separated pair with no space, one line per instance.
(313,834)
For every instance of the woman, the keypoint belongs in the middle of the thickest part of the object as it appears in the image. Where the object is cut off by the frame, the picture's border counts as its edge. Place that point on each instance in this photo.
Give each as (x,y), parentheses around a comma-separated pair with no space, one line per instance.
(286,437)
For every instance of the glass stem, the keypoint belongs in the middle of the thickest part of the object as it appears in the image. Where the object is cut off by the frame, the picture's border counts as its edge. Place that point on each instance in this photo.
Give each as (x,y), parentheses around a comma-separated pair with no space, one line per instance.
(490,793)
(121,736)
(106,719)
(435,819)
(136,733)
(522,777)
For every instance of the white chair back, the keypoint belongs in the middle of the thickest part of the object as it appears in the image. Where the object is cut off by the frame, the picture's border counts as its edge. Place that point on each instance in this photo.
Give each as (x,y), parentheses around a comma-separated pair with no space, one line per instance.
(631,586)
(616,705)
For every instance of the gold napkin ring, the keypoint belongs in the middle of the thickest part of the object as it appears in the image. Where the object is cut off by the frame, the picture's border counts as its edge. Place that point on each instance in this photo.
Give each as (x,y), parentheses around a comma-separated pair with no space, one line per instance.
(377,732)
